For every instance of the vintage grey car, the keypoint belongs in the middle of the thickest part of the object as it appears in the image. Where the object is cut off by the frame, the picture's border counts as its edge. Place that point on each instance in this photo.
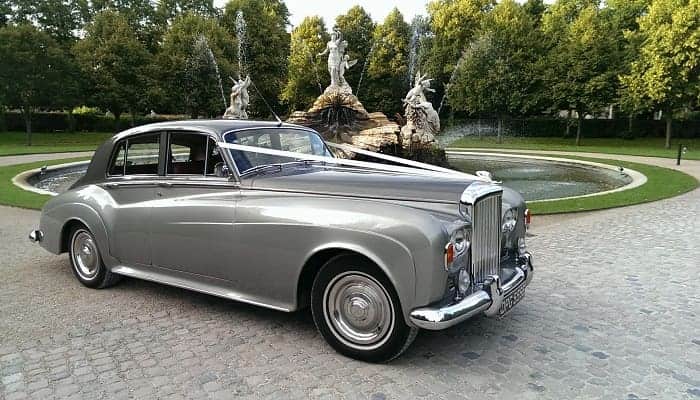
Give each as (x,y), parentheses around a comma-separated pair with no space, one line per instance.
(267,214)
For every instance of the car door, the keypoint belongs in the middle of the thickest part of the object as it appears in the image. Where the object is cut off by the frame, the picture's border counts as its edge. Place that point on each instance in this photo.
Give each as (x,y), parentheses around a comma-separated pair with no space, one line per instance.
(131,181)
(194,209)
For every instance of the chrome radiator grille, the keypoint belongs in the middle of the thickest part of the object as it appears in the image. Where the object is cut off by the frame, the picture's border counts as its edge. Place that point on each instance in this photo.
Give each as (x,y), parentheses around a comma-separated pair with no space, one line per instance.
(486,237)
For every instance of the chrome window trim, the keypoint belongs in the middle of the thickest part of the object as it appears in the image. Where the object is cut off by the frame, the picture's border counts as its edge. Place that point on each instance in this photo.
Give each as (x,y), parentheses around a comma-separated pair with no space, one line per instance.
(115,152)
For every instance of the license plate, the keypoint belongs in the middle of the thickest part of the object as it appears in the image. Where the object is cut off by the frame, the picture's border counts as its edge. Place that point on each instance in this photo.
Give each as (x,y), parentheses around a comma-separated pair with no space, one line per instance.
(511,300)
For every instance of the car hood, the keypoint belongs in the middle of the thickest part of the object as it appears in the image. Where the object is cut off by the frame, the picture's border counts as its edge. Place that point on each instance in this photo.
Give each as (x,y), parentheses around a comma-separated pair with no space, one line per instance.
(428,192)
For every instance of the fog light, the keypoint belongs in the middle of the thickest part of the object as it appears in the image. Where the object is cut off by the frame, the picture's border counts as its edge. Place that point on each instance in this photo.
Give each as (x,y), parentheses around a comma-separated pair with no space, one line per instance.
(522,247)
(463,281)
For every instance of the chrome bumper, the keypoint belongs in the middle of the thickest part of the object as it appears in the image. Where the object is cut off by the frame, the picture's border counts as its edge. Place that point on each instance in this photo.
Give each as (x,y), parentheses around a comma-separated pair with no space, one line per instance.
(36,236)
(488,300)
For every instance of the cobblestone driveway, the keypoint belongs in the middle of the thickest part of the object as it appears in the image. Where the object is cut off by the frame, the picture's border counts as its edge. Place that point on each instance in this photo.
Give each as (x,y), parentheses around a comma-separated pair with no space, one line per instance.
(612,313)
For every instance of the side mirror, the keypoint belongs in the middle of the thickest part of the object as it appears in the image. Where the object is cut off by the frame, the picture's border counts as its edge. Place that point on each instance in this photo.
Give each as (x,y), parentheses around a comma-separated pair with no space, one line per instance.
(221,170)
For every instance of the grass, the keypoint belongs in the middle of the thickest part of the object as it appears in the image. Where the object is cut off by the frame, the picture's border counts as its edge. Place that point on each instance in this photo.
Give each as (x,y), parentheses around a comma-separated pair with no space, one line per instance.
(650,147)
(15,143)
(11,195)
(661,183)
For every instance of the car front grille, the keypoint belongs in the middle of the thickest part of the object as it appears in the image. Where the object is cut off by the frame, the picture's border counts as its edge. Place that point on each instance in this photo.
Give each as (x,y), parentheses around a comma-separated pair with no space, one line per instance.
(486,237)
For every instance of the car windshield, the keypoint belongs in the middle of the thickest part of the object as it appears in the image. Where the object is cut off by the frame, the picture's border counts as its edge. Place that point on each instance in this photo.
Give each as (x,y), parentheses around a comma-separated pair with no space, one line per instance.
(293,140)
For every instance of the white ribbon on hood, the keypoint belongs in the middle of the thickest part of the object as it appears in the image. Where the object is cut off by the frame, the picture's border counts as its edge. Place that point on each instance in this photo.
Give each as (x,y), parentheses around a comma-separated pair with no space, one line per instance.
(410,167)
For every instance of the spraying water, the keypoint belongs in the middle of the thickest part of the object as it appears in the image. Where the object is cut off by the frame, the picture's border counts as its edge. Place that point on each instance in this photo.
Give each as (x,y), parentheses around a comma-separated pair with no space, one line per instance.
(241,33)
(364,67)
(201,57)
(417,26)
(452,77)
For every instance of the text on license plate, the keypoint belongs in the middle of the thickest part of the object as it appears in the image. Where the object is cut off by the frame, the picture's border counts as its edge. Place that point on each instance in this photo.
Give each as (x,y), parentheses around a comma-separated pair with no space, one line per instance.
(511,300)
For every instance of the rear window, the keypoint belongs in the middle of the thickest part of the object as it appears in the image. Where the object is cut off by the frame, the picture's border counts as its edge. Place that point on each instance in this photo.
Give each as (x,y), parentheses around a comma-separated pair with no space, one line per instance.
(136,156)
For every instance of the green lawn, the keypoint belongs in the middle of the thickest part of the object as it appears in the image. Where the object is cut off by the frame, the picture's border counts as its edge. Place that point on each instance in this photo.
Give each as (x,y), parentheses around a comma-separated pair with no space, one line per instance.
(12,143)
(11,195)
(652,147)
(661,183)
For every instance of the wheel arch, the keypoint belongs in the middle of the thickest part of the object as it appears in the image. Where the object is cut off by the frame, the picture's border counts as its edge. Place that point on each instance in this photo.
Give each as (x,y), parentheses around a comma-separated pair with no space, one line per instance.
(402,285)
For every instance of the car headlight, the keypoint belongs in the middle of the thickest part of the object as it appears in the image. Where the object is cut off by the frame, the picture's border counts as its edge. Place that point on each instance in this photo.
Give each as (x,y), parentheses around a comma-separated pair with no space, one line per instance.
(463,281)
(510,219)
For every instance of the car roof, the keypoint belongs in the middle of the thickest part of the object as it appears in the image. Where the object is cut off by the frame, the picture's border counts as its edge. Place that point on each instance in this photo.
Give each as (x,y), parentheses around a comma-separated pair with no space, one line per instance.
(213,126)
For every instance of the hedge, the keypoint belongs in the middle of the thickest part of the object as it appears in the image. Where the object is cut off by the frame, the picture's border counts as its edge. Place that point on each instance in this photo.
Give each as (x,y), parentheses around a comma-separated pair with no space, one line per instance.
(592,128)
(59,122)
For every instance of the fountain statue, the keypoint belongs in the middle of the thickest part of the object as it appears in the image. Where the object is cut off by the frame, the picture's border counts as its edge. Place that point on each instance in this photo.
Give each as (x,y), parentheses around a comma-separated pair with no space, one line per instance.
(239,99)
(337,113)
(422,121)
(338,62)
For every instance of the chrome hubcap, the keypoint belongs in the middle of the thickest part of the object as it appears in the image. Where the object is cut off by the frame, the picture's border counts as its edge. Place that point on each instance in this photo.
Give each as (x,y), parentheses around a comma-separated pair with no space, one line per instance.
(85,256)
(359,310)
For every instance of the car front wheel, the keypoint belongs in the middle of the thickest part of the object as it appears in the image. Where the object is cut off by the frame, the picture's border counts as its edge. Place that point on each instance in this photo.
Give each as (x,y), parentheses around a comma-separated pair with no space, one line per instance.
(86,261)
(357,310)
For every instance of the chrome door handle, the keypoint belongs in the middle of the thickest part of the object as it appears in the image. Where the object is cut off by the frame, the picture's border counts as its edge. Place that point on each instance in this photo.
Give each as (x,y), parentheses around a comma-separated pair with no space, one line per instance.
(165,184)
(112,185)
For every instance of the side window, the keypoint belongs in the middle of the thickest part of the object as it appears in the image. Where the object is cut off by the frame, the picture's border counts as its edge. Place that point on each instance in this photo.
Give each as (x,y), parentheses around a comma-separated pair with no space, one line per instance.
(136,156)
(142,155)
(192,154)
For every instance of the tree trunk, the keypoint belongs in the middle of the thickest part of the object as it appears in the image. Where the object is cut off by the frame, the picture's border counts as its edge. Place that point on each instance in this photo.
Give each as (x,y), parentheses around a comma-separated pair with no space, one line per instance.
(133,117)
(27,111)
(117,115)
(71,121)
(578,128)
(500,130)
(669,128)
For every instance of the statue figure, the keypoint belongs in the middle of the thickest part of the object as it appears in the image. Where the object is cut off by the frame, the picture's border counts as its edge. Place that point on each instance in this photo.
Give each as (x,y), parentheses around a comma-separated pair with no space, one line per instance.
(239,99)
(423,122)
(338,61)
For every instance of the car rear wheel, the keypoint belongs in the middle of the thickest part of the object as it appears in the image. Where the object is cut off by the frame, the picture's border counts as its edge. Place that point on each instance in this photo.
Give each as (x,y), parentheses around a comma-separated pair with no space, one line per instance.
(357,310)
(86,261)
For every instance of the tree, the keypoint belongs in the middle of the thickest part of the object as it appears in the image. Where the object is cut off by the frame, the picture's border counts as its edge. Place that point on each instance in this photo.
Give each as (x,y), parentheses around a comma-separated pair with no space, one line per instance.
(114,60)
(357,28)
(498,74)
(187,80)
(582,60)
(265,49)
(666,74)
(59,18)
(305,68)
(33,65)
(453,24)
(168,10)
(388,64)
(141,16)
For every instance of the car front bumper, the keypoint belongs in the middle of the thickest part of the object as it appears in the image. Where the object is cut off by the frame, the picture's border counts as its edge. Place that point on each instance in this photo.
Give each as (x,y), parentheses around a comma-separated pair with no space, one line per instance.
(487,300)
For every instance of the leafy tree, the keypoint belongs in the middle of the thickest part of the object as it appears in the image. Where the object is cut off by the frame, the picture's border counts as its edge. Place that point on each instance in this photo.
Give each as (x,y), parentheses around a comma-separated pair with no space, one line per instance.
(33,65)
(265,49)
(388,64)
(357,28)
(498,75)
(186,77)
(583,58)
(141,16)
(453,24)
(305,69)
(536,9)
(114,60)
(59,18)
(666,75)
(168,10)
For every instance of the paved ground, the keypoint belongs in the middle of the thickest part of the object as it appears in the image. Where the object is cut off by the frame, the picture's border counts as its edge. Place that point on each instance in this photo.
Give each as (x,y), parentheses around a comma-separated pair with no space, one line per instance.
(612,313)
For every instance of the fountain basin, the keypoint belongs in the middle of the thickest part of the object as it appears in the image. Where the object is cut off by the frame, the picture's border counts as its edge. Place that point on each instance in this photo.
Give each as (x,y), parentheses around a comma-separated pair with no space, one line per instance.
(536,178)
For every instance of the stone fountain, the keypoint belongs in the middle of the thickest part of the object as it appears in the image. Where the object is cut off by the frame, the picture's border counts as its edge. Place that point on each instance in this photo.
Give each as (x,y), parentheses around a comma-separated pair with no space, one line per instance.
(338,114)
